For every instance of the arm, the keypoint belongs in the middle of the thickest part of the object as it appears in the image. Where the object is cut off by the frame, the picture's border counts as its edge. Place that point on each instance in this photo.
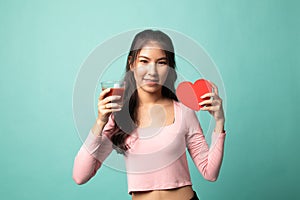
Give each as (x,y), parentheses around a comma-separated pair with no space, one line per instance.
(97,145)
(93,152)
(207,160)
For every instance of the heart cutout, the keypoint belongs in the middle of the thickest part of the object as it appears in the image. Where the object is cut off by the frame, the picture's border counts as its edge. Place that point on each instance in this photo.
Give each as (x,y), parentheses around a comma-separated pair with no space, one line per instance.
(190,94)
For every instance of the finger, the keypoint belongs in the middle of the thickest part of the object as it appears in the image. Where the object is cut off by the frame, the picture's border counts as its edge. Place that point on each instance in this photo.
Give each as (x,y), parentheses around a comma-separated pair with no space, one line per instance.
(101,106)
(111,98)
(116,110)
(103,93)
(104,110)
(209,108)
(210,101)
(215,88)
(112,106)
(107,111)
(207,95)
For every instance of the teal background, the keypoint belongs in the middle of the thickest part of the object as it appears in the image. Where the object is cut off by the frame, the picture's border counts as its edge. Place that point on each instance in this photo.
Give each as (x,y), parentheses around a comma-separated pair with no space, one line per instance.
(255,45)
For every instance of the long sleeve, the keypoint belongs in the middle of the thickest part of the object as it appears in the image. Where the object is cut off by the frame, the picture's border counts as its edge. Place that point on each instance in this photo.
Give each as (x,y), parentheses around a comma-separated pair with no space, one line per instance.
(92,154)
(207,160)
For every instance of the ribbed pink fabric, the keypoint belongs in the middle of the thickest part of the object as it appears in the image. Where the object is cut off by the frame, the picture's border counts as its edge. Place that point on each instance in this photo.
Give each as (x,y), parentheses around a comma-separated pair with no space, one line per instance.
(157,158)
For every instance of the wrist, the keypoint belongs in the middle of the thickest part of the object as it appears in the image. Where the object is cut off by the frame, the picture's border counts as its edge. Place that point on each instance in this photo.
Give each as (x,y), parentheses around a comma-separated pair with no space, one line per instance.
(100,122)
(98,127)
(220,126)
(220,121)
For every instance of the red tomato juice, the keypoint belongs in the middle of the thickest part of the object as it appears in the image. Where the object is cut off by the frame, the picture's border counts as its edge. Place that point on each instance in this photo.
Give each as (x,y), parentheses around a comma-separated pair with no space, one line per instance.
(116,92)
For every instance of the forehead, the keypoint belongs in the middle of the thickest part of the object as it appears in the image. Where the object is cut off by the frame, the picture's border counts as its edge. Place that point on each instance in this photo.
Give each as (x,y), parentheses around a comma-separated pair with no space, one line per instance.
(152,50)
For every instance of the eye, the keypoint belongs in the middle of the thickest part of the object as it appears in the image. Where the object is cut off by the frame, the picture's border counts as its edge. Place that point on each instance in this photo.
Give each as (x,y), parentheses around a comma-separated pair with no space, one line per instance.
(143,61)
(162,63)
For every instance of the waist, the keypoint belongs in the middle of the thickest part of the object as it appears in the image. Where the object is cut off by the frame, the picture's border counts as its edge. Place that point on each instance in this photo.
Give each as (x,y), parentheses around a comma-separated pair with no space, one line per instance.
(182,193)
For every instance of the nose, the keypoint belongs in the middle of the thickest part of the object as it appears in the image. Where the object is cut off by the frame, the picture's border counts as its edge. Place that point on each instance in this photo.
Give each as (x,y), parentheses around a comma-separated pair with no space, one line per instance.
(152,69)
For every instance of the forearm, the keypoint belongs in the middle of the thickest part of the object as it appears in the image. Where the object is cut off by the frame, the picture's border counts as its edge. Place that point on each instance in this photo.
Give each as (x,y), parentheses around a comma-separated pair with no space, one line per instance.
(85,166)
(219,128)
(93,152)
(215,155)
(207,159)
(98,127)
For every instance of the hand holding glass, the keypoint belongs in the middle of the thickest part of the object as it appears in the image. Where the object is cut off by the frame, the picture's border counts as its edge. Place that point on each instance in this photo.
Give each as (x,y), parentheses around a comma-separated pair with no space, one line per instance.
(117,88)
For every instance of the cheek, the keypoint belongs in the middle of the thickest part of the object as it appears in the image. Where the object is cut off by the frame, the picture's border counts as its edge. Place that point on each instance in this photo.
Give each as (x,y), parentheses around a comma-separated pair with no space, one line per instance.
(139,72)
(164,73)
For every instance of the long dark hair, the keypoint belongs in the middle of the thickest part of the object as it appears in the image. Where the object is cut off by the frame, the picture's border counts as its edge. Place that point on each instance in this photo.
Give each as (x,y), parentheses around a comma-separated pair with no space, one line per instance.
(126,119)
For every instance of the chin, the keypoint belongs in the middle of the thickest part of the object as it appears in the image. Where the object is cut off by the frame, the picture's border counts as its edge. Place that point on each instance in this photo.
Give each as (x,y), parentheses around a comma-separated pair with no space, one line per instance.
(151,89)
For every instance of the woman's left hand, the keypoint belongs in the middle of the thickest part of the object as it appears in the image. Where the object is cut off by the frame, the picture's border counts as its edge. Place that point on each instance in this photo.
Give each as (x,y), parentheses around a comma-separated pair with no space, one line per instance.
(214,104)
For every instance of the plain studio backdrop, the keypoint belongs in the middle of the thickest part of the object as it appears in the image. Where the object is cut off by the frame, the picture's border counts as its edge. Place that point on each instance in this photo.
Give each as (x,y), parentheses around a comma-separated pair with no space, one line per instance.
(254,44)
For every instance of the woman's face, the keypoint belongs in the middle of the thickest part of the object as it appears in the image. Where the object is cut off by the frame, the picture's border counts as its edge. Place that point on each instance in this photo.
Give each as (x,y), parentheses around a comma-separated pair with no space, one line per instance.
(150,68)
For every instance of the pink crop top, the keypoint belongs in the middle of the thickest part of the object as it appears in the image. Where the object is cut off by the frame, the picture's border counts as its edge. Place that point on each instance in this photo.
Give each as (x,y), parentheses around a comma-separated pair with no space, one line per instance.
(156,158)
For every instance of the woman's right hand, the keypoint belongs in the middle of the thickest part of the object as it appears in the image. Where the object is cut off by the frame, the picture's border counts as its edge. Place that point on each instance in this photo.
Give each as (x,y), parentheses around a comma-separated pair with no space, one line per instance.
(107,105)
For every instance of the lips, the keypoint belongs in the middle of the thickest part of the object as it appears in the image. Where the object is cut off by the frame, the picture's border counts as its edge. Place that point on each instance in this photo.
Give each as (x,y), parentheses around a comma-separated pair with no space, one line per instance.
(150,81)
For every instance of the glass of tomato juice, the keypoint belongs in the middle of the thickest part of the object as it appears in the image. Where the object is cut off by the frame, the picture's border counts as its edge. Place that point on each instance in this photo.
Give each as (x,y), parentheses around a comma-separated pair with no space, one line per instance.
(117,88)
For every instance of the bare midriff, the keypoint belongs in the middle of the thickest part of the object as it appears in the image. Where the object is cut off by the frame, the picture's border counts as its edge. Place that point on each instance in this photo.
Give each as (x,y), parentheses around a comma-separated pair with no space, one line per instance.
(182,193)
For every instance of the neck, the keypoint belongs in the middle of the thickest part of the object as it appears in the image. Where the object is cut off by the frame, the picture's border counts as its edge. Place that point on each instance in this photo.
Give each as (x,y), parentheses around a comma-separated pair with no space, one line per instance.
(149,98)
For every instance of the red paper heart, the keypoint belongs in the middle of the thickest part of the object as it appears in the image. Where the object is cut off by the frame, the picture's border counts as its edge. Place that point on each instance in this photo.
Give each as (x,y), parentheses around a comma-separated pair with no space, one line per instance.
(190,94)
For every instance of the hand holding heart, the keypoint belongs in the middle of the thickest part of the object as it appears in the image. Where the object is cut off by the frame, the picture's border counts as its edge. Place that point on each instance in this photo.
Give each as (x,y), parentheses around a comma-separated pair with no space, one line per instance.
(216,108)
(202,95)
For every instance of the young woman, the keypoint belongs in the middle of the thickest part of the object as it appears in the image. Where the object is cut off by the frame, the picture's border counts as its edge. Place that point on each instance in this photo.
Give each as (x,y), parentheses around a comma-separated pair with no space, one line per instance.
(152,129)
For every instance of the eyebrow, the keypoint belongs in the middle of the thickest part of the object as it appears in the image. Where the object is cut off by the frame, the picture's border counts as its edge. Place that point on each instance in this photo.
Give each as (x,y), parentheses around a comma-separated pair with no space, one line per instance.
(162,58)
